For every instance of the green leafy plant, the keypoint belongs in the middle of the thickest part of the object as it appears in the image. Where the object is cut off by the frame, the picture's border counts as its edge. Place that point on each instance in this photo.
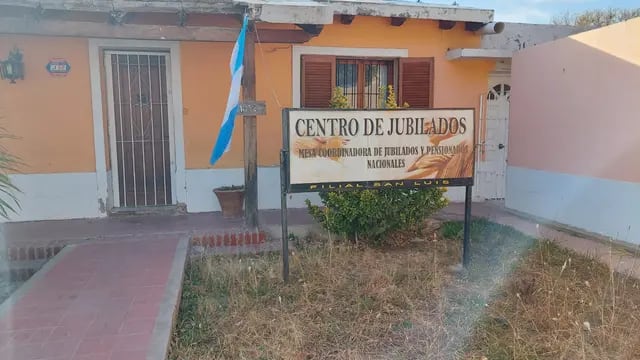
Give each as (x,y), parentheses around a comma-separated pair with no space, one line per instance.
(390,102)
(338,99)
(8,191)
(369,216)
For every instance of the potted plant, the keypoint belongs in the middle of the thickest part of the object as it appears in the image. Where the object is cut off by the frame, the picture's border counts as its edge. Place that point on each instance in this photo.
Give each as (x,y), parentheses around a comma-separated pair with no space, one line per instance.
(231,200)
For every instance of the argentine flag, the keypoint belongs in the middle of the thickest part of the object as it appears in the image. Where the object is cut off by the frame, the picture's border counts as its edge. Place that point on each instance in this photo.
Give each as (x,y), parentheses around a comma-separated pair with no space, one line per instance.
(223,143)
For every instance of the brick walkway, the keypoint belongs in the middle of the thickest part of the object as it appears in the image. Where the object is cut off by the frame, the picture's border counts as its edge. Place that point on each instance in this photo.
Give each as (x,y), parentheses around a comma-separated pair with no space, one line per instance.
(99,300)
(62,232)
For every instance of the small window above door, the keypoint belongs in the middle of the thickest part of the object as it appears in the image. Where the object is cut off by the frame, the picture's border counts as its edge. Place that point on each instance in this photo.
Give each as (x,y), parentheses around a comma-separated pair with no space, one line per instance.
(499,91)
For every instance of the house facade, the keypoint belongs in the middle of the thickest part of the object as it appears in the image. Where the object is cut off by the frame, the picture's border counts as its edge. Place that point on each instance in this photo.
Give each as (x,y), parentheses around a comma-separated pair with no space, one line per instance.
(121,103)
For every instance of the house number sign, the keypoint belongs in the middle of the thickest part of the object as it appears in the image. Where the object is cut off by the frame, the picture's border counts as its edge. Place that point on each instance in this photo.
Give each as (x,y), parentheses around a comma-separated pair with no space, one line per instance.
(58,67)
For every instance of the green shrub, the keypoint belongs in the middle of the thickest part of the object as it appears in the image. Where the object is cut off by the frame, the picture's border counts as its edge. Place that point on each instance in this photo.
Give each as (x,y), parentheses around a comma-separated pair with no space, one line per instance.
(370,215)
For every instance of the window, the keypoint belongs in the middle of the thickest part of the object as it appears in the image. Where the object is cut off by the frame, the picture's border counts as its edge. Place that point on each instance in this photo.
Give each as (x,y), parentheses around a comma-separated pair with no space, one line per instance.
(498,91)
(365,81)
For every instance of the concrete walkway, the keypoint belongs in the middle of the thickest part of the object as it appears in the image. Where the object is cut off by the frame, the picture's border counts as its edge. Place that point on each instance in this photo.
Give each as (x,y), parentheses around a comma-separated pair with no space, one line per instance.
(99,300)
(620,257)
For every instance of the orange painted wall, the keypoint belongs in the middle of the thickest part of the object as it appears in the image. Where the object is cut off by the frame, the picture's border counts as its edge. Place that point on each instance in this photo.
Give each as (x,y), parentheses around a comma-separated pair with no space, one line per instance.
(205,76)
(51,115)
(456,83)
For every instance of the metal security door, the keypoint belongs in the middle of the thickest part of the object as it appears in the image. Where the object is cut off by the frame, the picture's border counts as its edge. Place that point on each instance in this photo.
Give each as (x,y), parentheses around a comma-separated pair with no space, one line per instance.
(493,163)
(139,128)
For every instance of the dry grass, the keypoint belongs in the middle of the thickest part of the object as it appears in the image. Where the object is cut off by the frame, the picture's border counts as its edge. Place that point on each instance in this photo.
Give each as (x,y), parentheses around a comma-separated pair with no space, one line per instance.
(558,305)
(515,302)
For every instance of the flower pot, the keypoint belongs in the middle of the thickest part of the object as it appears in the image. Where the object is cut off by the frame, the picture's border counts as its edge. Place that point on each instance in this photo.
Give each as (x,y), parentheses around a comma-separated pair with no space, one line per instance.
(231,201)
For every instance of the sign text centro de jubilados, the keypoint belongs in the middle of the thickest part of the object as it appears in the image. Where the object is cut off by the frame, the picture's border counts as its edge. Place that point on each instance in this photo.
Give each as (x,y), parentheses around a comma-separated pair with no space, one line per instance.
(331,149)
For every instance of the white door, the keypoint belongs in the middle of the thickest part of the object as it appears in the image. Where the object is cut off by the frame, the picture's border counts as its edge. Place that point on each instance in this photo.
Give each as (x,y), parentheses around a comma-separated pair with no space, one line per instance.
(492,161)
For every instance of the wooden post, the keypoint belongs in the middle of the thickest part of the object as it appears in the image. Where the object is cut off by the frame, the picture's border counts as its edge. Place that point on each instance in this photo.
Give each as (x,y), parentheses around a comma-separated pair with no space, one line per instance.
(250,133)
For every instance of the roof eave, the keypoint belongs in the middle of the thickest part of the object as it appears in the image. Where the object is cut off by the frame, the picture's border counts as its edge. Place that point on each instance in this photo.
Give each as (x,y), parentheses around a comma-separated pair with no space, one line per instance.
(473,53)
(281,11)
(412,11)
(312,12)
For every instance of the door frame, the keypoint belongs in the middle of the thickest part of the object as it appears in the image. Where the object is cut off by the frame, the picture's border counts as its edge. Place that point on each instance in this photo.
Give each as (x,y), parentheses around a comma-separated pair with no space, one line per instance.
(497,77)
(107,194)
(109,87)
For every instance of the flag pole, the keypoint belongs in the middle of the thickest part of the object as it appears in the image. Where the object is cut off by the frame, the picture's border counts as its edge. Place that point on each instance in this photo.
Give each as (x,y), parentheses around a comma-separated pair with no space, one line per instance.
(250,132)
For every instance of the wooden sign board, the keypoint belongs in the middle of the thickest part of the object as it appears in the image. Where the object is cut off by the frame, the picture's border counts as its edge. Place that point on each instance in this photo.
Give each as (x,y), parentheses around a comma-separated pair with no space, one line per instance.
(252,108)
(333,149)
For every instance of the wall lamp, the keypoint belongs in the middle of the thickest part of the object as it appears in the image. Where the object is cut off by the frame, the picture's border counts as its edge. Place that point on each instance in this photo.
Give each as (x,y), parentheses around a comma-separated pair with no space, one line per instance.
(12,69)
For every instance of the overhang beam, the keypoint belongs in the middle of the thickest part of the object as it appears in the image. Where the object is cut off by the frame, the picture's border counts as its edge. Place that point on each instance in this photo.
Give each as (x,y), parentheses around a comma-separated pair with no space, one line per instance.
(411,10)
(473,26)
(347,19)
(472,53)
(446,24)
(144,32)
(222,7)
(397,20)
(311,29)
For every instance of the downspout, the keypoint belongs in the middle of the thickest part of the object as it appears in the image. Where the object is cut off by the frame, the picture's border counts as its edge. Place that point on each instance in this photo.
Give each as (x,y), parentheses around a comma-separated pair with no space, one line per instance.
(491,28)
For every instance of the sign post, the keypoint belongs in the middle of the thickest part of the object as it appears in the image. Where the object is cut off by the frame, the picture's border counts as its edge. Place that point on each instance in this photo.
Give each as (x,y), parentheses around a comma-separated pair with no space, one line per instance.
(344,149)
(466,251)
(283,214)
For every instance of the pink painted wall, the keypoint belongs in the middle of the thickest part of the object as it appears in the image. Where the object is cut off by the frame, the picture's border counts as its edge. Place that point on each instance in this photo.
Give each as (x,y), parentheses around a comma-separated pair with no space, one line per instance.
(575,105)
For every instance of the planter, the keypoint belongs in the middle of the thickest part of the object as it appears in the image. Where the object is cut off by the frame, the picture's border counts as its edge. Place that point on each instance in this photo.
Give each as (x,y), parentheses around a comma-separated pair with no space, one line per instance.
(231,199)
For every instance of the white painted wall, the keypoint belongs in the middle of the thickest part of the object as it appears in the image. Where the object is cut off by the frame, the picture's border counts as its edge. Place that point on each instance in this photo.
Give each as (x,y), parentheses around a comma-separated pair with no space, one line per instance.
(76,195)
(607,207)
(201,182)
(57,196)
(517,36)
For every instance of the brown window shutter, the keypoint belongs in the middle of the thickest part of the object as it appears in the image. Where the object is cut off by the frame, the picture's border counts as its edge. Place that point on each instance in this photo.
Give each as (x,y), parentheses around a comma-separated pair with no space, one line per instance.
(318,80)
(416,82)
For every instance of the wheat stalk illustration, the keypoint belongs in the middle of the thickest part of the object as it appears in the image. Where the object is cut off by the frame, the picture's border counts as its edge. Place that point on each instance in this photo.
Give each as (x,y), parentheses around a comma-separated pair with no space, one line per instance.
(442,166)
(334,142)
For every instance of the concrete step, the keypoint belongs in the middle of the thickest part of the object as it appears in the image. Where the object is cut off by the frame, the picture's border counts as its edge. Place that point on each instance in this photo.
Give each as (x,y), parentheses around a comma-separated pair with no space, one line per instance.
(20,270)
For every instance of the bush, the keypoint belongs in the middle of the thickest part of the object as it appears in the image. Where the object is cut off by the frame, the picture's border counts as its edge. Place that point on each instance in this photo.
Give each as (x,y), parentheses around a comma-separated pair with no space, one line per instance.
(370,215)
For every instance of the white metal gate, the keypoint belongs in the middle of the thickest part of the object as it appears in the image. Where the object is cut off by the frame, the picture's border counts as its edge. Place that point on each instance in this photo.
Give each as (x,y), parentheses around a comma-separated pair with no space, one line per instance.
(139,128)
(492,157)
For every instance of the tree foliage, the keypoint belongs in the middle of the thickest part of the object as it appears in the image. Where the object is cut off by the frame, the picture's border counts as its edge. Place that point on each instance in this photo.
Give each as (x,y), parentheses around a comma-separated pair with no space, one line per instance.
(596,18)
